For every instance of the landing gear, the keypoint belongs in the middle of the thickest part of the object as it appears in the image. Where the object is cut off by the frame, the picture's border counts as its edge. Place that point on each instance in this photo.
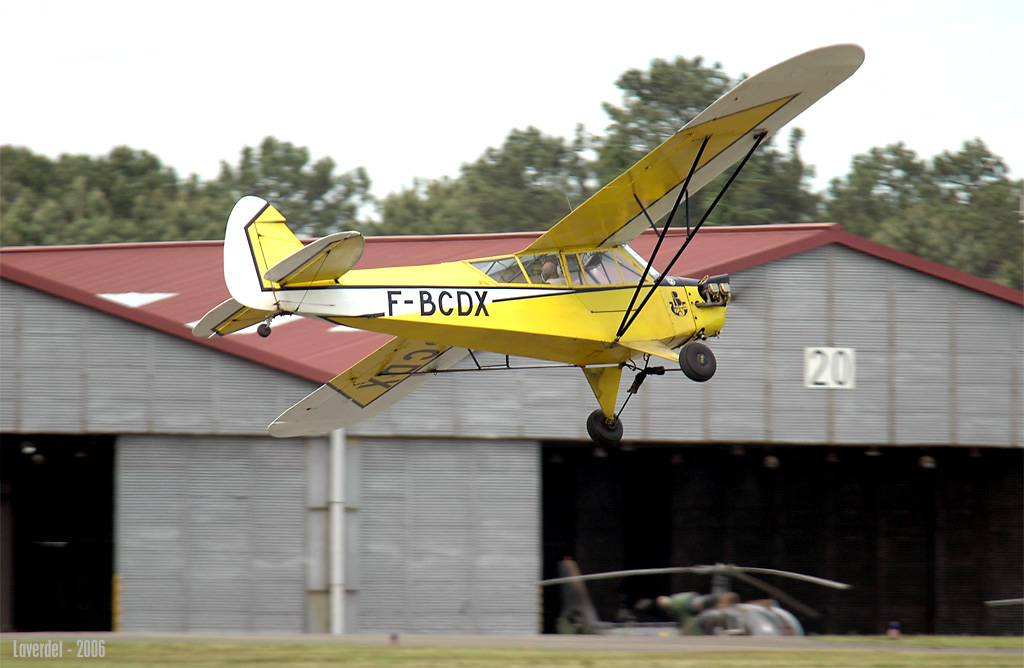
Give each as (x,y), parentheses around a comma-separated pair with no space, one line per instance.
(602,431)
(697,361)
(264,327)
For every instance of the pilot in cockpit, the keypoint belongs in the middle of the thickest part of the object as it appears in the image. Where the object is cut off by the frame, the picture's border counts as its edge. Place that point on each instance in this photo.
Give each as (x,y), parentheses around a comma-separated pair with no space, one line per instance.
(549,272)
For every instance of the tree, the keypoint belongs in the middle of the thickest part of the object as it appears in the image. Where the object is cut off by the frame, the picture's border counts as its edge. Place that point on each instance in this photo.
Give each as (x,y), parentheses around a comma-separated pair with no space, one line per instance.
(314,199)
(129,195)
(882,184)
(771,189)
(655,104)
(527,184)
(79,199)
(960,210)
(530,182)
(428,207)
(660,101)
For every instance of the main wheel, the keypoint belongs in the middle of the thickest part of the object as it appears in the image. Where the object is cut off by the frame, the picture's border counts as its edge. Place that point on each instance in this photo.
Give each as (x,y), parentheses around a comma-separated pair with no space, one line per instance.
(601,432)
(263,330)
(697,361)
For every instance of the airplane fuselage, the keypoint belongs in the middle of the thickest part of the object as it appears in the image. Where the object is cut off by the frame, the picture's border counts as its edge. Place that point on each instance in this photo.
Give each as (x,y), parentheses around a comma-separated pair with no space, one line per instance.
(454,304)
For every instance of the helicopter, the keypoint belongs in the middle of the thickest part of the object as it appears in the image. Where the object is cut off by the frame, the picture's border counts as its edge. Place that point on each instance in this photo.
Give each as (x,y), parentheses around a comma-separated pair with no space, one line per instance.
(720,612)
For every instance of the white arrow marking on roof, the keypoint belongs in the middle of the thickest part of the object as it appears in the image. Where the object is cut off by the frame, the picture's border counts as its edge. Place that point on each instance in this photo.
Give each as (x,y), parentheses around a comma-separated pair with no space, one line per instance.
(135,299)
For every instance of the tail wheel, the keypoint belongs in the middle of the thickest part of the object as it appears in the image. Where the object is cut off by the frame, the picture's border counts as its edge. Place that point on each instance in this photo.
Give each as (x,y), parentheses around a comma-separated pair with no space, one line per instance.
(601,432)
(697,361)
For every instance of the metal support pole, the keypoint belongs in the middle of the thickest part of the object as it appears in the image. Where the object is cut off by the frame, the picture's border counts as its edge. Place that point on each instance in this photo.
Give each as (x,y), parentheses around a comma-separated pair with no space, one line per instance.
(336,532)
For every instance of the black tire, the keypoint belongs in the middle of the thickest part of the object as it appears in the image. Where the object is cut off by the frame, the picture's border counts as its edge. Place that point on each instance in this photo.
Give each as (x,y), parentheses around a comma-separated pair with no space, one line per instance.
(263,330)
(601,432)
(697,361)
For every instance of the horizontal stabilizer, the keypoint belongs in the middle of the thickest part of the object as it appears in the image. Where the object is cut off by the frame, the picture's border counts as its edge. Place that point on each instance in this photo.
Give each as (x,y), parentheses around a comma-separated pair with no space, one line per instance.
(227,318)
(323,260)
(373,384)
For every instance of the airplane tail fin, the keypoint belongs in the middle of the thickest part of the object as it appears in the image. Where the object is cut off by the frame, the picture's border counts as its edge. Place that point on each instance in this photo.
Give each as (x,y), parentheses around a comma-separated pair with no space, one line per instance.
(256,239)
(261,255)
(578,614)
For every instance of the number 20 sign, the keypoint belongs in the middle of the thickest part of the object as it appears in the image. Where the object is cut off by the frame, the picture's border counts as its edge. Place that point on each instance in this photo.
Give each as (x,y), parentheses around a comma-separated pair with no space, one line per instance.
(830,368)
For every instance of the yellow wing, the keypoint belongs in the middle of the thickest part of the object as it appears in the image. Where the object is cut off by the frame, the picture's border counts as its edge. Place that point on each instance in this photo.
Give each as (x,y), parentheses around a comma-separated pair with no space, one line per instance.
(373,384)
(227,318)
(761,104)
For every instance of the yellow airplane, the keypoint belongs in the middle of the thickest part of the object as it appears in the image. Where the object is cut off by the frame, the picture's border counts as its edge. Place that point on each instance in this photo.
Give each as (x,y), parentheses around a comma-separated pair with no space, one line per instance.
(578,295)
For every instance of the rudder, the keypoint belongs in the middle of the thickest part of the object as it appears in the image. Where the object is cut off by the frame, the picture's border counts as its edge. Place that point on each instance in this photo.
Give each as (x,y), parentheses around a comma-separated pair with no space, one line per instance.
(256,239)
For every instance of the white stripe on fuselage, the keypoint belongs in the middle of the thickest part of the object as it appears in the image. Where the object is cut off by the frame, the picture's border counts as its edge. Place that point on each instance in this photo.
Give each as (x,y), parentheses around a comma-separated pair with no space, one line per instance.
(387,301)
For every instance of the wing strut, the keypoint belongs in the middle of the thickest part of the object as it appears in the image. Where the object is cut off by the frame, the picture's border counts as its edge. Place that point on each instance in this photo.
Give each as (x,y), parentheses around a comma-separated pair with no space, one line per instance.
(661,236)
(627,318)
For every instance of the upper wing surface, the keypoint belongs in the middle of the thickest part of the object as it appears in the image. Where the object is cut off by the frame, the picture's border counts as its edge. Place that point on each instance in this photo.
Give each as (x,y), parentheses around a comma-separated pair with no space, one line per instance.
(373,384)
(761,104)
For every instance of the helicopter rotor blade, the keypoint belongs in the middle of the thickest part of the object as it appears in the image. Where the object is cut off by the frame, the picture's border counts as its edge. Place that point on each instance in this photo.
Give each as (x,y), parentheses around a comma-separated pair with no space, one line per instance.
(789,574)
(778,595)
(727,569)
(700,570)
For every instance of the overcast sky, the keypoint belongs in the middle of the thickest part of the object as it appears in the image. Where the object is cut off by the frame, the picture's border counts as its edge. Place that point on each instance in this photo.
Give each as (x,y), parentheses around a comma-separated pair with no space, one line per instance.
(415,89)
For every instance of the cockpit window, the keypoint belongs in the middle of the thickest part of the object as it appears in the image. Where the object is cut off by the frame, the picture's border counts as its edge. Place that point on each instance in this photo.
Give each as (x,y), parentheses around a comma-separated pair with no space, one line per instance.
(502,269)
(575,271)
(544,268)
(632,265)
(601,268)
(615,266)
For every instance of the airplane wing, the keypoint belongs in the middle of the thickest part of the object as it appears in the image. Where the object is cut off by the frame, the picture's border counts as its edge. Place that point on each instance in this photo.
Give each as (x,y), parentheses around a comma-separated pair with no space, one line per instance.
(373,384)
(228,317)
(761,104)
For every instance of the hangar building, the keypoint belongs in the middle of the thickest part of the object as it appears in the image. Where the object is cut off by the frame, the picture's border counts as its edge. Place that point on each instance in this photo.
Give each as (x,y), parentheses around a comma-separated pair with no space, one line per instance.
(865,425)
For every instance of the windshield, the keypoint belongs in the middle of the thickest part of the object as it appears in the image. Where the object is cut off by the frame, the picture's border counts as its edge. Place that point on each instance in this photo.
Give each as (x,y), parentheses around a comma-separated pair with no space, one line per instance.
(630,260)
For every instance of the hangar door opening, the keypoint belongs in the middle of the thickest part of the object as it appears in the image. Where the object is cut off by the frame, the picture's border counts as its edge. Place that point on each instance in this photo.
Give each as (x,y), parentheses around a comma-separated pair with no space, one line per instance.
(924,537)
(57,532)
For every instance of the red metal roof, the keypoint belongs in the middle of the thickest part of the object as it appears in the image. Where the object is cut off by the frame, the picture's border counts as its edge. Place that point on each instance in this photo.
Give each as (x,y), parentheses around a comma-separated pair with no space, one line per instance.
(181,281)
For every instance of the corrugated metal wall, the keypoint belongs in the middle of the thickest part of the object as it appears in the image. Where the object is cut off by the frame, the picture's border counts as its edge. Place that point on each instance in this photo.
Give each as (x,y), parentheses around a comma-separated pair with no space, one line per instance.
(68,368)
(937,364)
(449,536)
(929,354)
(209,533)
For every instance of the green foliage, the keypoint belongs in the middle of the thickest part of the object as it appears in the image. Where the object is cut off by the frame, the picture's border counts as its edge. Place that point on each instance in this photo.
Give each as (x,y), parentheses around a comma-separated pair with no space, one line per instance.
(960,210)
(130,195)
(527,184)
(655,104)
(770,190)
(313,199)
